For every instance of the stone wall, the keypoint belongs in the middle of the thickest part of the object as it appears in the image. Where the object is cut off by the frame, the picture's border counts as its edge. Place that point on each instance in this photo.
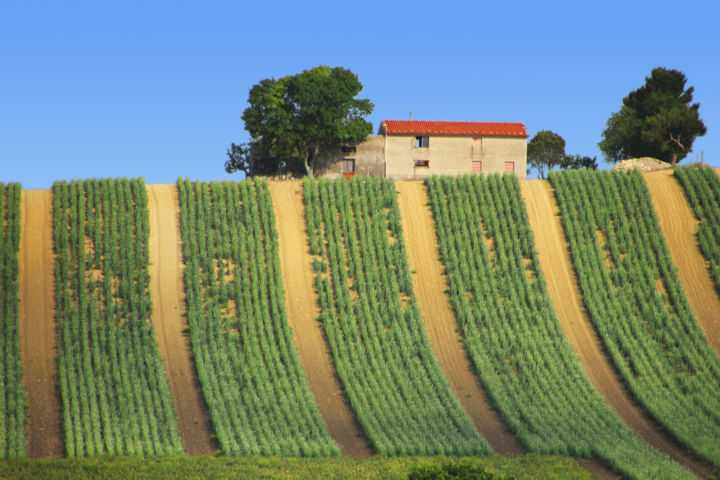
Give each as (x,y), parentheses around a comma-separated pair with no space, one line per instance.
(368,155)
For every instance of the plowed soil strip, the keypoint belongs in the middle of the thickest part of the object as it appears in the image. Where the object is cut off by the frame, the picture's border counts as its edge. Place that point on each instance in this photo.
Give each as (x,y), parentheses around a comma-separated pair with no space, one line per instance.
(440,323)
(37,324)
(302,312)
(679,228)
(168,295)
(554,257)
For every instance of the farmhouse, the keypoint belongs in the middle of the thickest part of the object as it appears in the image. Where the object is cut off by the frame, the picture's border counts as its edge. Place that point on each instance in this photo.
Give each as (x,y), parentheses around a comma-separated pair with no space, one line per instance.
(412,149)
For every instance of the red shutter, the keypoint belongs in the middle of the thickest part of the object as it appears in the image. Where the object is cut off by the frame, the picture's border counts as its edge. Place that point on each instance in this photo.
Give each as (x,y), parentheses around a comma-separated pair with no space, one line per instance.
(476,166)
(510,167)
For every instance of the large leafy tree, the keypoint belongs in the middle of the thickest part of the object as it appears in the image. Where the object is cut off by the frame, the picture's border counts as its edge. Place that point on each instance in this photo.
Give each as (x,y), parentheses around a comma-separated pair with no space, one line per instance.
(657,120)
(545,151)
(293,120)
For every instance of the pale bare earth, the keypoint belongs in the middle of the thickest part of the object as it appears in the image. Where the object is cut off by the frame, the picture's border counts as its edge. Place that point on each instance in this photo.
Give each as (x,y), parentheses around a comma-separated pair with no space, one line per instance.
(303,313)
(679,228)
(430,285)
(37,324)
(556,266)
(167,291)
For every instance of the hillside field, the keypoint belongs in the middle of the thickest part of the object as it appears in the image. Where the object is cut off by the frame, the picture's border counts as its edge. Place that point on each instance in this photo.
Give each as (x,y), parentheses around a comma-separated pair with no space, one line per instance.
(363,322)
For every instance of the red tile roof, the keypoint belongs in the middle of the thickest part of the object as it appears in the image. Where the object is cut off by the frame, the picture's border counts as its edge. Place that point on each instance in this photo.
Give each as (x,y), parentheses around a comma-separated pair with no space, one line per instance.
(461,129)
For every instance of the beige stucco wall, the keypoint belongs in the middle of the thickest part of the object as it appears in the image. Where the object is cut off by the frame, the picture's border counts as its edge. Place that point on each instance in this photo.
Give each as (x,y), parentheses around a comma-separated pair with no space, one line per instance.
(452,155)
(498,150)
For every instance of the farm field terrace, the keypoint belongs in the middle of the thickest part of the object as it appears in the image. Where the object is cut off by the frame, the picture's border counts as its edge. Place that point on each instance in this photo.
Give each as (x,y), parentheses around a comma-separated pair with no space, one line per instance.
(114,392)
(13,410)
(390,374)
(513,337)
(254,386)
(117,408)
(633,296)
(702,189)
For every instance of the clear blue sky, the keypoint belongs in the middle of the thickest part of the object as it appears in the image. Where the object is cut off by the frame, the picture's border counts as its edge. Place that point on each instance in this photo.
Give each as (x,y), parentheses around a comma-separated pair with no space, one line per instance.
(156,89)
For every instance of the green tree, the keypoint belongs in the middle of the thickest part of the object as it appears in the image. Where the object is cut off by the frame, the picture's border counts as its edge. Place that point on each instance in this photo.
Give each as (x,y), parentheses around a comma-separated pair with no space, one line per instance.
(244,157)
(239,159)
(294,119)
(545,151)
(578,162)
(657,120)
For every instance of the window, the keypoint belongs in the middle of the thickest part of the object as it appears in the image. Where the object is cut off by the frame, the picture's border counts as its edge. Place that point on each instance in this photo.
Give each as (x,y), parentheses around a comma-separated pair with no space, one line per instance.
(348,165)
(348,149)
(510,166)
(476,166)
(422,163)
(422,141)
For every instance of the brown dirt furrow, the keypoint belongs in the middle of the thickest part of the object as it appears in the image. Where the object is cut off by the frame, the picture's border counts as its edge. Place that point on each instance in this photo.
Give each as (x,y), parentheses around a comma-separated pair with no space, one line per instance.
(430,286)
(37,324)
(554,257)
(679,228)
(167,291)
(302,312)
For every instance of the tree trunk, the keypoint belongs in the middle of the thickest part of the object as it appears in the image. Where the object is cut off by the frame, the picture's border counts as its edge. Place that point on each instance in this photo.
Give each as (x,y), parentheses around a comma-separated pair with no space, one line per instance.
(309,161)
(673,159)
(308,168)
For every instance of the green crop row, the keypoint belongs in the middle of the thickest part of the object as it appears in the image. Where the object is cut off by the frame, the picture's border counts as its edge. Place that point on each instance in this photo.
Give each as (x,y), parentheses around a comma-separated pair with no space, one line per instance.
(114,392)
(372,322)
(702,189)
(634,299)
(13,412)
(512,335)
(248,367)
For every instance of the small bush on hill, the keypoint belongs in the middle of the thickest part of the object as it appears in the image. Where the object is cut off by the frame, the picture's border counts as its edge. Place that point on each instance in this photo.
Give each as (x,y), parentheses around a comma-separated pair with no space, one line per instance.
(454,471)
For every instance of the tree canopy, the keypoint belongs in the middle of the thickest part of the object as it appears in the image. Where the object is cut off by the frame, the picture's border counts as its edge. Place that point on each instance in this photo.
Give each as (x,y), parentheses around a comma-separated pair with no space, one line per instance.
(657,120)
(545,151)
(294,119)
(579,162)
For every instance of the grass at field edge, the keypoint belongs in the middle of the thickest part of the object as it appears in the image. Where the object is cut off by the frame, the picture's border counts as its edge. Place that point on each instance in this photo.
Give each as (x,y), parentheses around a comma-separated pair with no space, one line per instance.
(530,466)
